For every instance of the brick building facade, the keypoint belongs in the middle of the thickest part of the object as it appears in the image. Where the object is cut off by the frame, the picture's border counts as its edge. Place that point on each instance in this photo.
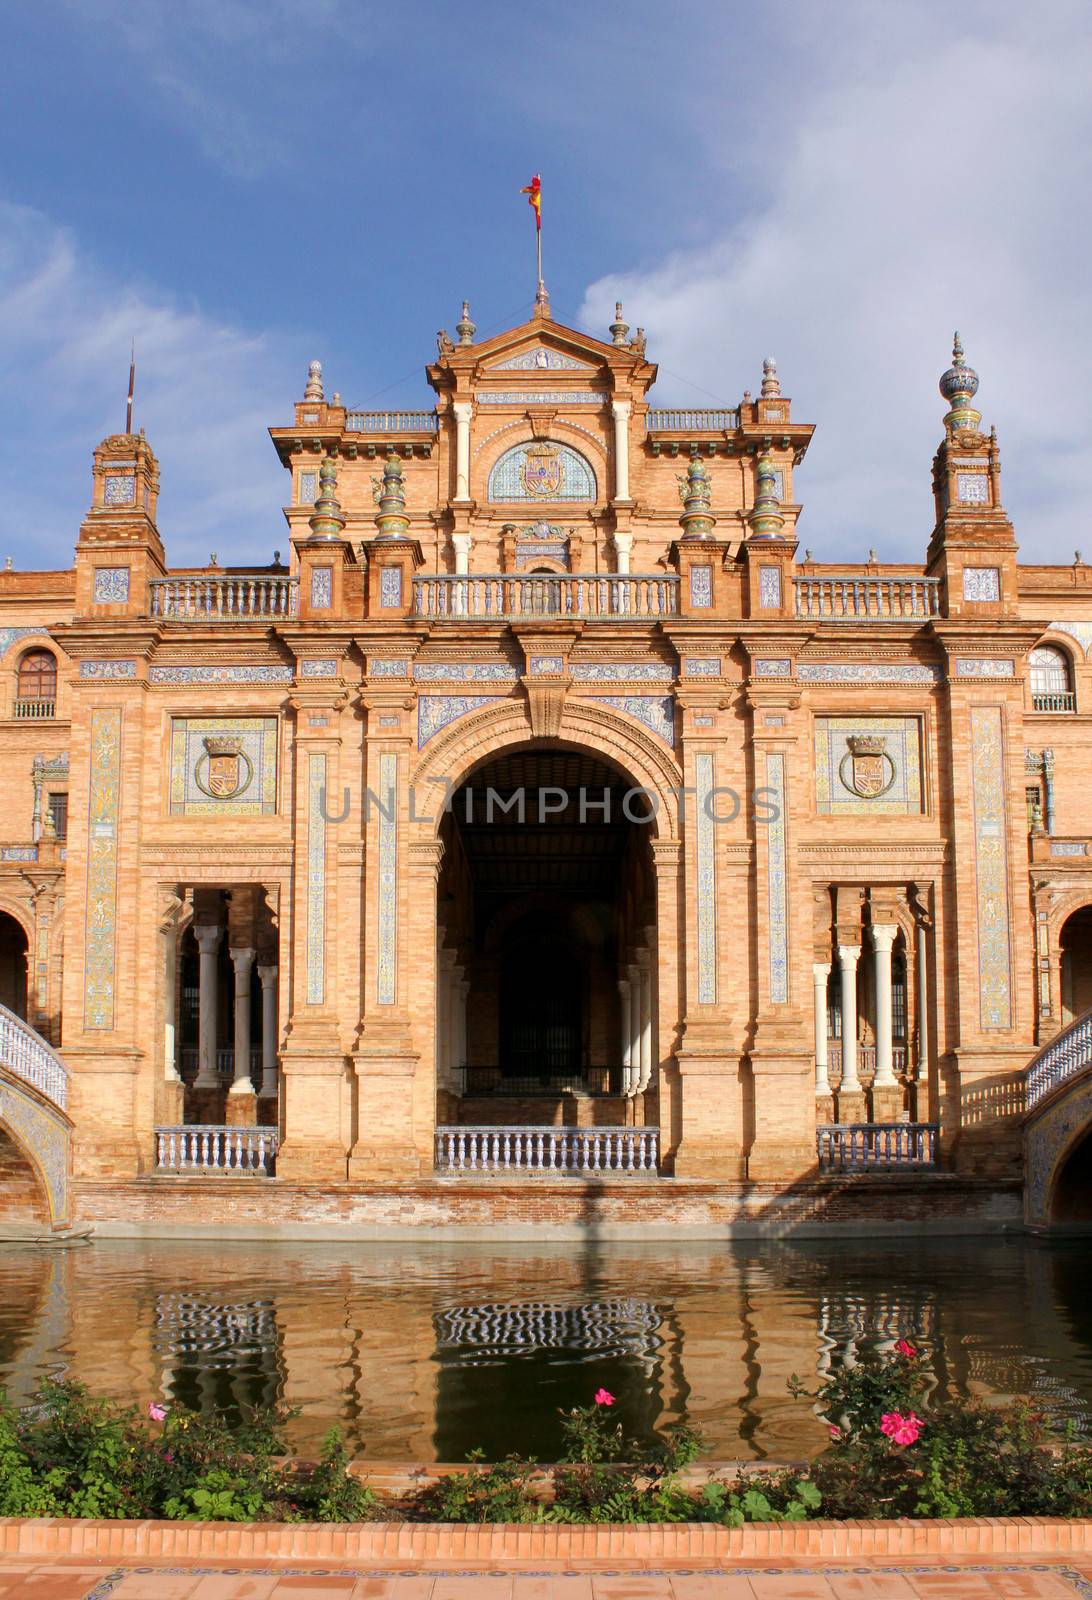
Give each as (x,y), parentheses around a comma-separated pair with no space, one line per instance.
(546,819)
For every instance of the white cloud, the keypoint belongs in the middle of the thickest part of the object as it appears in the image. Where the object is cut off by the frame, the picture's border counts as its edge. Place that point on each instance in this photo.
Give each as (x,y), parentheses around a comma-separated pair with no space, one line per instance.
(934,175)
(206,392)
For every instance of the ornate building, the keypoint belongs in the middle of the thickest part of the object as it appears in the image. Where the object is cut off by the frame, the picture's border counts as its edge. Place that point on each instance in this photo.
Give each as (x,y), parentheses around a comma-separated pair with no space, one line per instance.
(543,840)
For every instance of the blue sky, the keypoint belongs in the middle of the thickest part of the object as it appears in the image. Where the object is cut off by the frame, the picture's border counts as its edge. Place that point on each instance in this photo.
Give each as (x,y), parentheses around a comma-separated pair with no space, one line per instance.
(242,186)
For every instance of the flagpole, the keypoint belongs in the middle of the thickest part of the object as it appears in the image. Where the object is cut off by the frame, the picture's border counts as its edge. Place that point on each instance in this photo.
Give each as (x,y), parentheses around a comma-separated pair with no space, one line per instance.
(132,385)
(538,243)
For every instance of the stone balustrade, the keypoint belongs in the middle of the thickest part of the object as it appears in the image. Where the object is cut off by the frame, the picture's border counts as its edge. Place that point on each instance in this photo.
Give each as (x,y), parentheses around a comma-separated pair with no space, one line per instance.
(699,420)
(501,596)
(604,1152)
(210,1147)
(33,710)
(875,1146)
(238,597)
(27,1055)
(392,422)
(852,597)
(1066,1055)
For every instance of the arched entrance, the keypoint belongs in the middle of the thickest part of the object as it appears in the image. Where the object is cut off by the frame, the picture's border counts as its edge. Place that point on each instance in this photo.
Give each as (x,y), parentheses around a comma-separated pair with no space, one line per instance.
(13,965)
(546,944)
(23,1199)
(1076,963)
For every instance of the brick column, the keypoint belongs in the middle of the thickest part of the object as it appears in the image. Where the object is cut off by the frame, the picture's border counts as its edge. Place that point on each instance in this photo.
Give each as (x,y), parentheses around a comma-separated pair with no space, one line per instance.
(268,975)
(886,1091)
(208,978)
(242,1104)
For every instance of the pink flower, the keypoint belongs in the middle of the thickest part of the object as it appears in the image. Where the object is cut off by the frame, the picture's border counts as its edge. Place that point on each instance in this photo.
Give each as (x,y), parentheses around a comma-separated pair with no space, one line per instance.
(901,1429)
(835,1433)
(168,1455)
(157,1413)
(905,1348)
(603,1398)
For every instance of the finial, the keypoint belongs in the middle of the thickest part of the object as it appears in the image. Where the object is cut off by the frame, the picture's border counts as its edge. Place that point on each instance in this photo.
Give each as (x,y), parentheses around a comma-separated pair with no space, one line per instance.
(276,558)
(464,327)
(696,494)
(637,343)
(959,385)
(618,328)
(1078,558)
(766,519)
(327,520)
(873,558)
(212,559)
(542,300)
(444,343)
(389,493)
(314,390)
(746,396)
(807,554)
(771,383)
(9,564)
(335,399)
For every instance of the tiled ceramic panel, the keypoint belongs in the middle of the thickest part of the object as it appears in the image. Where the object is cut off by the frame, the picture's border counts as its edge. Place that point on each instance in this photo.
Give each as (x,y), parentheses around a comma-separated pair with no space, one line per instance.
(102,868)
(387,887)
(316,879)
(883,782)
(225,765)
(777,882)
(991,867)
(542,470)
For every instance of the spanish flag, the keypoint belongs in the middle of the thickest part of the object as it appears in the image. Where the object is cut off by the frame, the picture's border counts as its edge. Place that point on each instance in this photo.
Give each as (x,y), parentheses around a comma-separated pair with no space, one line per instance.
(533,192)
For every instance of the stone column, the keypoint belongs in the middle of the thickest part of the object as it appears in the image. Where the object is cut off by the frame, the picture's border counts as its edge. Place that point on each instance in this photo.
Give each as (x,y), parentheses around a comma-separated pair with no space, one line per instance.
(646,1022)
(268,1087)
(848,956)
(627,1038)
(620,410)
(463,410)
(242,1105)
(886,1092)
(921,954)
(208,942)
(820,972)
(634,972)
(623,544)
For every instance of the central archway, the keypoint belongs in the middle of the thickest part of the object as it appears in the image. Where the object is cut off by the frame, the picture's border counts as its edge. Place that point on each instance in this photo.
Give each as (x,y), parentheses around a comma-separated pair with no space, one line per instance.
(546,944)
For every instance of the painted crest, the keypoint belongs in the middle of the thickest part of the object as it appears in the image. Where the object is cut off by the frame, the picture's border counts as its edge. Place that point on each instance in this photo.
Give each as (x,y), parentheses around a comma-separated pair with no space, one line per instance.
(542,471)
(224,771)
(866,768)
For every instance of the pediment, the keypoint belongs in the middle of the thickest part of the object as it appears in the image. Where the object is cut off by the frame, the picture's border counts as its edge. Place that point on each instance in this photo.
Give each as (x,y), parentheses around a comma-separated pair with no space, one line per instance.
(540,358)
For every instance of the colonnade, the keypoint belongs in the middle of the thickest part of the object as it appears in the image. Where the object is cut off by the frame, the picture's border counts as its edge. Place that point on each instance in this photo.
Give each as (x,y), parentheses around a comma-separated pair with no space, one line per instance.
(208,937)
(882,936)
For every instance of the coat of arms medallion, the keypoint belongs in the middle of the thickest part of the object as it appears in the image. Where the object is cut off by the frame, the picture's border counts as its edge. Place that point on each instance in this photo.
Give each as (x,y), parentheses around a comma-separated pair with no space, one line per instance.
(542,472)
(866,768)
(225,770)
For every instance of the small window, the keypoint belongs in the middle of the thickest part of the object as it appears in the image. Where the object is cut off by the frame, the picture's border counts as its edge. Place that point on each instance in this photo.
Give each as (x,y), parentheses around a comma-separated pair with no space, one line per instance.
(38,676)
(898,998)
(834,1005)
(1051,683)
(57,807)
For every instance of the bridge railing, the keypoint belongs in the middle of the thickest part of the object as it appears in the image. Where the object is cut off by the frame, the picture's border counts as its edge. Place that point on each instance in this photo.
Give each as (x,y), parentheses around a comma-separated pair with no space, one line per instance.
(1066,1055)
(25,1053)
(571,1152)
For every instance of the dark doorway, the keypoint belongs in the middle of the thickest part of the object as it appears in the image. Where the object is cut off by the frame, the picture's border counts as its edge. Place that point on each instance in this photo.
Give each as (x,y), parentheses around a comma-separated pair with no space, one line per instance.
(13,966)
(541,1021)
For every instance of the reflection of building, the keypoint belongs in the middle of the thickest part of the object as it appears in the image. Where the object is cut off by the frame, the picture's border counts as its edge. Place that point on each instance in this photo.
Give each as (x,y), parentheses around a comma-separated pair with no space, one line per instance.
(544,794)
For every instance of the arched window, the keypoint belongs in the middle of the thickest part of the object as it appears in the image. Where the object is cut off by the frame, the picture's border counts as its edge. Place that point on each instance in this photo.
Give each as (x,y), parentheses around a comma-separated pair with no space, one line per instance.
(1051,681)
(37,688)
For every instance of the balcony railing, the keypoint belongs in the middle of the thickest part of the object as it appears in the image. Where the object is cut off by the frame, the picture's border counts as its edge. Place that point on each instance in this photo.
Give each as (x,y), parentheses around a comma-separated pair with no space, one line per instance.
(852,597)
(392,422)
(500,596)
(237,598)
(875,1146)
(1064,701)
(570,1152)
(225,1062)
(866,1058)
(26,1054)
(33,710)
(702,420)
(492,1081)
(208,1147)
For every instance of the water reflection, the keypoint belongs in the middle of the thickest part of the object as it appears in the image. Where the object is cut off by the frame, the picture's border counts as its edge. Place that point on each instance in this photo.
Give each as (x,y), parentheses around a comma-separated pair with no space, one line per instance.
(427,1350)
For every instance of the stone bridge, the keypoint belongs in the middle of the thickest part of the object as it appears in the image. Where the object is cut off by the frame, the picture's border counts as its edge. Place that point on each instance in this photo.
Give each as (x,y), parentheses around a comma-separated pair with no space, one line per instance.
(1058,1116)
(34,1110)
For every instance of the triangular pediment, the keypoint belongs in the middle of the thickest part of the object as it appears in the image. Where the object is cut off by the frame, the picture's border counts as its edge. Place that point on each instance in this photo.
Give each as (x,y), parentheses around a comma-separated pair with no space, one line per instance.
(540,358)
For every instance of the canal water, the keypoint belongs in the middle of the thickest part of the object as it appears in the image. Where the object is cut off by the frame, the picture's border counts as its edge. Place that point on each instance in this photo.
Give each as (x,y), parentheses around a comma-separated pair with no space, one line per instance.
(426,1350)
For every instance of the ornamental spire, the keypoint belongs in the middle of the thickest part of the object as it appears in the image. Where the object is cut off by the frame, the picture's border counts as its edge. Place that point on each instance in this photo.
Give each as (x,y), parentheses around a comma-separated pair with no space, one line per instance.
(959,385)
(766,519)
(618,328)
(771,383)
(389,493)
(314,389)
(327,520)
(464,327)
(696,494)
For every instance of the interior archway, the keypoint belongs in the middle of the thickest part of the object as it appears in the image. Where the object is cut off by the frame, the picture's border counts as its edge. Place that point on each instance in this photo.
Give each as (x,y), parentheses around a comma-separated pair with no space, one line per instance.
(22,1198)
(1076,960)
(13,965)
(546,944)
(1071,1201)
